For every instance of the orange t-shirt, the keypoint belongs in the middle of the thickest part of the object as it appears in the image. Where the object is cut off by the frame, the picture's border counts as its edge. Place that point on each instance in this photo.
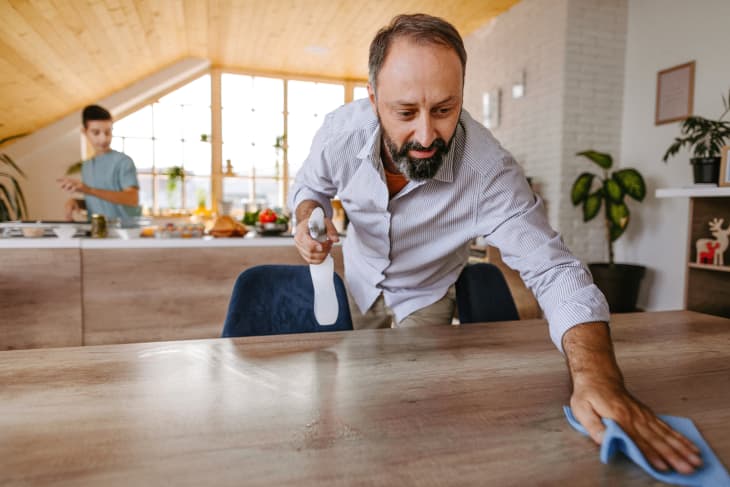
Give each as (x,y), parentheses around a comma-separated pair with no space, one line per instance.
(395,182)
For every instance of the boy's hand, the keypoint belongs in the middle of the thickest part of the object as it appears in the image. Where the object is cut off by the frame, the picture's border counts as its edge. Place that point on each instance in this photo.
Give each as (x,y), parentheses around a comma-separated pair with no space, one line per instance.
(71,185)
(312,251)
(71,207)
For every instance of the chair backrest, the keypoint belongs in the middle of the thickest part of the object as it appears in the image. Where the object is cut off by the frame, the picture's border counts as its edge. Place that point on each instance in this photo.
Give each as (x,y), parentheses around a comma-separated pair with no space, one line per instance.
(482,295)
(275,299)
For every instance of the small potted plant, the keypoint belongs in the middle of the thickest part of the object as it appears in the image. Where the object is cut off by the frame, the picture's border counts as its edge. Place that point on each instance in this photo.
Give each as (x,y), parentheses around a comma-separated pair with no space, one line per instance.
(705,139)
(174,175)
(12,201)
(618,282)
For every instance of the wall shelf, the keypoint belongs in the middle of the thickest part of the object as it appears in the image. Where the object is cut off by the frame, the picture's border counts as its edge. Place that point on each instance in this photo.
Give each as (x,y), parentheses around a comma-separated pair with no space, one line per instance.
(708,267)
(697,191)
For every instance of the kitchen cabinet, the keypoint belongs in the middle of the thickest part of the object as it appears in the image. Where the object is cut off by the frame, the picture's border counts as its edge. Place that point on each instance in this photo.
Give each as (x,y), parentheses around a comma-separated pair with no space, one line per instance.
(57,293)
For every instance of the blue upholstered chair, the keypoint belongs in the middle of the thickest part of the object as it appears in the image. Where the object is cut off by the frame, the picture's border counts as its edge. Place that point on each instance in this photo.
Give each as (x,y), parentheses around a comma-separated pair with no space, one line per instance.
(482,295)
(276,299)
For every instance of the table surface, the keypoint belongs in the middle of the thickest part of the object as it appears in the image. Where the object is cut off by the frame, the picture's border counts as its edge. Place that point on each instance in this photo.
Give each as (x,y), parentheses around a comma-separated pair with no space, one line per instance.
(442,405)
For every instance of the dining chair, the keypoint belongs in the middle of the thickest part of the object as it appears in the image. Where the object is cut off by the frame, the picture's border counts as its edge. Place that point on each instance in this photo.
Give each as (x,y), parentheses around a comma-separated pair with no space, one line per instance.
(482,295)
(277,299)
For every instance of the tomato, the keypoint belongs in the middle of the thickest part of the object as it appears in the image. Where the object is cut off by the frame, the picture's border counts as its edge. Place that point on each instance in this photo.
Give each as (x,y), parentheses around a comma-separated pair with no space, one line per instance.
(267,216)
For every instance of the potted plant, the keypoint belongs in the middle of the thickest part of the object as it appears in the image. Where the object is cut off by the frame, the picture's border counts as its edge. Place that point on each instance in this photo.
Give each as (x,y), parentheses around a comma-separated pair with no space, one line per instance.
(618,282)
(705,138)
(12,201)
(174,175)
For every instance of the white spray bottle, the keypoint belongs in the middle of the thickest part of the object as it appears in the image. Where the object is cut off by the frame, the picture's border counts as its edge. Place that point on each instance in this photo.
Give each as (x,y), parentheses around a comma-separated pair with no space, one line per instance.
(326,307)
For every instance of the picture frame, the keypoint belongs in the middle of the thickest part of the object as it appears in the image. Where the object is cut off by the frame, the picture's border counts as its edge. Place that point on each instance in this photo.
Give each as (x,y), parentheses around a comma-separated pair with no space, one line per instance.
(724,167)
(675,93)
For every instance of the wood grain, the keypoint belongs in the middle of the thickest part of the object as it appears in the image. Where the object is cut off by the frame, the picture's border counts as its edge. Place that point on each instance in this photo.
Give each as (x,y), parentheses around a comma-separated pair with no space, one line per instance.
(442,405)
(138,295)
(59,56)
(40,298)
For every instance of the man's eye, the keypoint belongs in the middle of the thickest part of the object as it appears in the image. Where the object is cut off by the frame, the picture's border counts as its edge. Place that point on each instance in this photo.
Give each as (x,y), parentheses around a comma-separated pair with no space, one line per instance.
(444,111)
(404,113)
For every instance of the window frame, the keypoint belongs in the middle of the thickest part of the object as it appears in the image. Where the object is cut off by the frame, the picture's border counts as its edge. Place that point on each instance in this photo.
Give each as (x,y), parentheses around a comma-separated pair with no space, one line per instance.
(217,173)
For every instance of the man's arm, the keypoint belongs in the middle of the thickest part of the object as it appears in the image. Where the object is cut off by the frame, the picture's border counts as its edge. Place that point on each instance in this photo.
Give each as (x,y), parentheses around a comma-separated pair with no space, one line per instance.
(599,392)
(128,196)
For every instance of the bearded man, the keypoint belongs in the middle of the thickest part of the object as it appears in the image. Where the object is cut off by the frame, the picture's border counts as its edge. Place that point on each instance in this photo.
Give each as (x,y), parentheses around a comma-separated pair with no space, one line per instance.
(419,180)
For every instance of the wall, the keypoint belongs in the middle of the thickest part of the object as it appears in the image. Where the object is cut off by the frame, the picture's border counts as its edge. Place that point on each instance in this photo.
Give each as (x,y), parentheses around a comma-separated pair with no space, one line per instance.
(593,78)
(45,154)
(661,34)
(572,52)
(530,37)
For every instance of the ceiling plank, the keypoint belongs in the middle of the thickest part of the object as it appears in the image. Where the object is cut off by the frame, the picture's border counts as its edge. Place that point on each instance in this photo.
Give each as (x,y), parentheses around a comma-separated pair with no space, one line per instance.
(59,55)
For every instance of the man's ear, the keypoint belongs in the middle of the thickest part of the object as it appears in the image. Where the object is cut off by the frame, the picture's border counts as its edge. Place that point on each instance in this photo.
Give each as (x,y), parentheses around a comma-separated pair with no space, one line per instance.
(371,96)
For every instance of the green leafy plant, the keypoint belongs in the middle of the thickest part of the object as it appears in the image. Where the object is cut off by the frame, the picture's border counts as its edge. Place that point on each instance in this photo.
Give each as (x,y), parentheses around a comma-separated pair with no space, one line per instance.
(12,201)
(175,174)
(610,193)
(704,137)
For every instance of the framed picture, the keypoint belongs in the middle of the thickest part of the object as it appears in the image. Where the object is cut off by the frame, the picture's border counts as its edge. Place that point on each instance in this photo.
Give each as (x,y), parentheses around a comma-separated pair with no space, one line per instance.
(725,167)
(675,88)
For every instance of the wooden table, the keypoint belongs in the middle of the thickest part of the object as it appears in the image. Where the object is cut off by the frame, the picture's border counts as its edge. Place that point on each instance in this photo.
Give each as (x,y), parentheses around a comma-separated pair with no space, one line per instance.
(468,405)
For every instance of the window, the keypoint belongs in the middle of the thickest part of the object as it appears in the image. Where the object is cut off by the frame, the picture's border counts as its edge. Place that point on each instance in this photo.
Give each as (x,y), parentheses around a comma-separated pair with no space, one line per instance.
(170,136)
(267,126)
(359,92)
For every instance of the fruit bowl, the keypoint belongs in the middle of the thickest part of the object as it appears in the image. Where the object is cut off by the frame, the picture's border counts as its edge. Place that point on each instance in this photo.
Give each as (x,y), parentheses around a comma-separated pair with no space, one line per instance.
(271,228)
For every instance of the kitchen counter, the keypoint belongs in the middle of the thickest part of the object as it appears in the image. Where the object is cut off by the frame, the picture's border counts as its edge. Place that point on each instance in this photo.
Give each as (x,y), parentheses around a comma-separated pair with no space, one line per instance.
(139,243)
(70,292)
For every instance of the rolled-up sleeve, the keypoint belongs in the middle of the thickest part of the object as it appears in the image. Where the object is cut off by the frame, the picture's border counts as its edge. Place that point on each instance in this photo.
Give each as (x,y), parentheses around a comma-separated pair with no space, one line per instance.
(313,181)
(517,224)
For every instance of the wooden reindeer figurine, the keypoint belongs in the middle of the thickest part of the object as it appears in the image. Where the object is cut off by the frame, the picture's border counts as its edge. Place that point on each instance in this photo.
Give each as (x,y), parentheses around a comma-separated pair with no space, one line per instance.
(711,251)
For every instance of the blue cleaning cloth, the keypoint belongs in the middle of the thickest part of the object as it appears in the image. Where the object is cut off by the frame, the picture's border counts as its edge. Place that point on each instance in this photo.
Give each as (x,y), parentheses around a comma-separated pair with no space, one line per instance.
(711,474)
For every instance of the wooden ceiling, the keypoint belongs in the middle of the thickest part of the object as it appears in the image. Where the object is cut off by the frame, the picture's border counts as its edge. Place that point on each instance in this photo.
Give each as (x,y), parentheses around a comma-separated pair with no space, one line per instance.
(58,55)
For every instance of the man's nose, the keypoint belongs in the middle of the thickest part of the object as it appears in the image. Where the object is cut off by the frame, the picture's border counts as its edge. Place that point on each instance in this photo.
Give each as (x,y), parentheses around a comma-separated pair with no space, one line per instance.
(425,133)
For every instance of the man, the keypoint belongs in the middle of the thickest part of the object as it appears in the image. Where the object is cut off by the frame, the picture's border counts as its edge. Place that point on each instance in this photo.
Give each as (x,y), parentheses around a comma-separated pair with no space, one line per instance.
(419,179)
(109,179)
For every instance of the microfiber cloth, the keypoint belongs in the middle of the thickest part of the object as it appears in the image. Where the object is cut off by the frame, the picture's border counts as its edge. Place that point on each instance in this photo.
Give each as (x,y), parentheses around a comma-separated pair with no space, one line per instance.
(711,474)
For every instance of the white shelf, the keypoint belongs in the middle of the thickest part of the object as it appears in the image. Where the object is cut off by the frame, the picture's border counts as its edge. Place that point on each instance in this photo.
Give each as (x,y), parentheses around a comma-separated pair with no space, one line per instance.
(694,192)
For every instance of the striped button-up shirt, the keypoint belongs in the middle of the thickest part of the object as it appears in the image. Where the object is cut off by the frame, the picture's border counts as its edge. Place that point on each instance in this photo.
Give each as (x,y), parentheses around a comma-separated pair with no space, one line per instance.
(412,247)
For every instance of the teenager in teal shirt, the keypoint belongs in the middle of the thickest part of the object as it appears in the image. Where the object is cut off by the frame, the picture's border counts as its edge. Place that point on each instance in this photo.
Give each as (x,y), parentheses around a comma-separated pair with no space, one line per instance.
(109,179)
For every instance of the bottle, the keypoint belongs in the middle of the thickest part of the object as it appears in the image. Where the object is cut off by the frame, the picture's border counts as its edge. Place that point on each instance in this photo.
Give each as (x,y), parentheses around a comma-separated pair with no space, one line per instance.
(98,226)
(326,307)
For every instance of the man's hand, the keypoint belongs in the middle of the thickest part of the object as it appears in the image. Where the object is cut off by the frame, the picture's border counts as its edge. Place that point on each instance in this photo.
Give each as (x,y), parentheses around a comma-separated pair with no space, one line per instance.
(71,185)
(312,251)
(599,392)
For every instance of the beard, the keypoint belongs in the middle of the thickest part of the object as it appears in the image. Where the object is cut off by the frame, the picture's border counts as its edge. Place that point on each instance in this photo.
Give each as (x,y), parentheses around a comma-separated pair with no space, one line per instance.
(414,168)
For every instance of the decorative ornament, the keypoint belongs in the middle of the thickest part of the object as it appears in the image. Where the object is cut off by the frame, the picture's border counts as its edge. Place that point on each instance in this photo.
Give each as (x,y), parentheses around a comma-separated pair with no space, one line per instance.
(712,250)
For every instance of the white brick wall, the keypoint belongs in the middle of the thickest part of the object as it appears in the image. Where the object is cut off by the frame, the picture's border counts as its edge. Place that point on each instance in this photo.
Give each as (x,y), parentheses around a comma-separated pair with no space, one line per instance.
(573,54)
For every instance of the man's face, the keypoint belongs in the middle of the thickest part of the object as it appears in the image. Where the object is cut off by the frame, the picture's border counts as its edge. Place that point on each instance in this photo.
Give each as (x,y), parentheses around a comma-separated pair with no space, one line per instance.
(99,133)
(418,102)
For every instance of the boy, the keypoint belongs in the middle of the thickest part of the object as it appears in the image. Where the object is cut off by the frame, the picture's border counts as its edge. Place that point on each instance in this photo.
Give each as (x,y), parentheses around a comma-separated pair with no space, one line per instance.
(109,179)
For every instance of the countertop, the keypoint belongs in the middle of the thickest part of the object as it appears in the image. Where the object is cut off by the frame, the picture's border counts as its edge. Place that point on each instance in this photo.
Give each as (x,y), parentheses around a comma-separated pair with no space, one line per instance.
(143,243)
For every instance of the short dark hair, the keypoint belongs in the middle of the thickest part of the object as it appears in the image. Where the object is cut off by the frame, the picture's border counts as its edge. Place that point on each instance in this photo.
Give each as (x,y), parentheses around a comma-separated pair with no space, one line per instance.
(420,28)
(94,112)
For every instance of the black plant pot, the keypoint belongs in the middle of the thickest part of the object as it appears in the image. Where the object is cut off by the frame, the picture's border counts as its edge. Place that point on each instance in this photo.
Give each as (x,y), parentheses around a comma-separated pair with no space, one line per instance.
(706,169)
(619,283)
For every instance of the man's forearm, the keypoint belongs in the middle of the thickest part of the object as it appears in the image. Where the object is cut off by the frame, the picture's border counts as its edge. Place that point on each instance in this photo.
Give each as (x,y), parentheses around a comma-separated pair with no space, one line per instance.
(589,353)
(304,209)
(124,197)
